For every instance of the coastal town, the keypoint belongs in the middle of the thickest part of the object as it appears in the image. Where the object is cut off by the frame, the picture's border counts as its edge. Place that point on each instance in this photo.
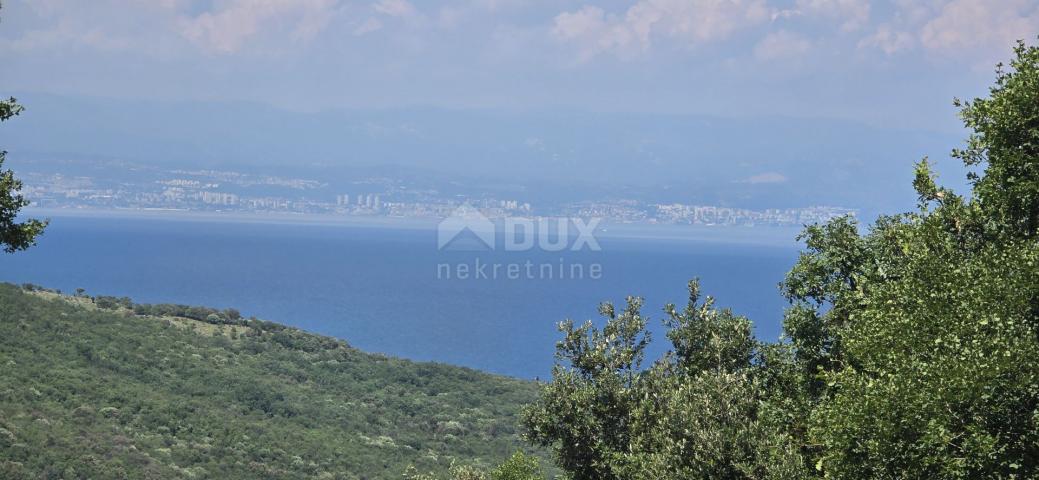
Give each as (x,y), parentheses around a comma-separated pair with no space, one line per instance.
(227,191)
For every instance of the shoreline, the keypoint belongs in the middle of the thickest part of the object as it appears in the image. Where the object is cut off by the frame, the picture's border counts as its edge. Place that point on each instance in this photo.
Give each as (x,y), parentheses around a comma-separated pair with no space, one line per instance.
(775,236)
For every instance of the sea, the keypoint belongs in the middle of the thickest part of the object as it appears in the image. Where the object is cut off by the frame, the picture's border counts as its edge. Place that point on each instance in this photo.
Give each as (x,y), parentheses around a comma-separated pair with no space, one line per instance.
(393,287)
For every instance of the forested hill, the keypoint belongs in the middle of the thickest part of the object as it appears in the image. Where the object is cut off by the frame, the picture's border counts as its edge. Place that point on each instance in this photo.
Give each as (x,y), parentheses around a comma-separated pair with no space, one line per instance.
(93,389)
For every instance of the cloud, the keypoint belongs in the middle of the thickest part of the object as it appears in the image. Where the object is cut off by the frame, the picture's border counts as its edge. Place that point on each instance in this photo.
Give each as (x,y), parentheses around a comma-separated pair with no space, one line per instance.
(227,30)
(972,29)
(974,24)
(370,25)
(690,54)
(492,5)
(978,30)
(102,25)
(853,14)
(594,32)
(687,22)
(586,21)
(395,8)
(782,45)
(888,40)
(185,27)
(64,34)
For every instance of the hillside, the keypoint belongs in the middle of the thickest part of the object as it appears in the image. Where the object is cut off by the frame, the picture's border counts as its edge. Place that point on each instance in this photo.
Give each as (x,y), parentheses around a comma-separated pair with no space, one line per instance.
(102,388)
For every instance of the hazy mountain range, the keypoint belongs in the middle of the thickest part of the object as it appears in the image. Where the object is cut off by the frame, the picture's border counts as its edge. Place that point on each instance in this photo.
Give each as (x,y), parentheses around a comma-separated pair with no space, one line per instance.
(754,163)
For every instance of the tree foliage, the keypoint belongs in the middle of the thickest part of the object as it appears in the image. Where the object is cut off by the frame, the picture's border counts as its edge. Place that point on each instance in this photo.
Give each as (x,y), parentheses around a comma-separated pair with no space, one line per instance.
(1005,142)
(519,466)
(911,347)
(695,413)
(14,235)
(91,389)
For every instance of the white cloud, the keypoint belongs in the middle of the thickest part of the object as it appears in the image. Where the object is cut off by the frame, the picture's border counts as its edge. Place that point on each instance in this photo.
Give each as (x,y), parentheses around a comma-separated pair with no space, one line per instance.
(370,25)
(853,14)
(981,24)
(586,21)
(975,30)
(915,12)
(782,45)
(395,8)
(688,22)
(63,34)
(103,25)
(492,5)
(888,40)
(594,32)
(978,30)
(228,29)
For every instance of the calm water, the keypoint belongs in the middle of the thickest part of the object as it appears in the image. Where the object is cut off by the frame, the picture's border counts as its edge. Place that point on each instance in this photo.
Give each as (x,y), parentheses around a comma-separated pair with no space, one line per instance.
(378,288)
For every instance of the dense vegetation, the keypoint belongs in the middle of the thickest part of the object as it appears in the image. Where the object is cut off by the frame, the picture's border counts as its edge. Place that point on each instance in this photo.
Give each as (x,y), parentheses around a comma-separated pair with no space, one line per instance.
(911,350)
(91,389)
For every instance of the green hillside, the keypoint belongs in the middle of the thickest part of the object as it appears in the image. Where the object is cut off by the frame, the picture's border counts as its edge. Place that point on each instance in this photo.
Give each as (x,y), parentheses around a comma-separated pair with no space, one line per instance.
(93,389)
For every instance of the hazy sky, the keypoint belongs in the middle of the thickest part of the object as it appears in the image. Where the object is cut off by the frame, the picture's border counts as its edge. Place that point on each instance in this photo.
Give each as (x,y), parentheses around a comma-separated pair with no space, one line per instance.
(893,62)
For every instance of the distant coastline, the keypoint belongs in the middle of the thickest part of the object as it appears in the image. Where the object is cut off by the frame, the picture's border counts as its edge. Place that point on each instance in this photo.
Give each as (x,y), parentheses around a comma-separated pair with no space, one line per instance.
(765,235)
(237,217)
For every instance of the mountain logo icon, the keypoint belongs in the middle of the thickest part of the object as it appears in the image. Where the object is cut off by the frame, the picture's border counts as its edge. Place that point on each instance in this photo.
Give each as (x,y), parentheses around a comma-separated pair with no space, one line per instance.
(466,229)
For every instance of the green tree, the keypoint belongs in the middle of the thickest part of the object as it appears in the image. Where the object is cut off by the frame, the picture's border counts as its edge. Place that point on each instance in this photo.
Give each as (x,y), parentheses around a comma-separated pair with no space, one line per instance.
(911,351)
(920,338)
(1005,141)
(518,467)
(700,411)
(14,235)
(585,412)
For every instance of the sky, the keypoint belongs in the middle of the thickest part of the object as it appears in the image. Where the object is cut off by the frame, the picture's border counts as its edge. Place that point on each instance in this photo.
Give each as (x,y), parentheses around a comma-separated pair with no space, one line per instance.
(881,62)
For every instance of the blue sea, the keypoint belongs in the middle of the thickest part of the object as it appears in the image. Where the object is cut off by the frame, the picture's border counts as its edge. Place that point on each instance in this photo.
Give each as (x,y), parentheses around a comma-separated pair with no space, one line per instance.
(384,287)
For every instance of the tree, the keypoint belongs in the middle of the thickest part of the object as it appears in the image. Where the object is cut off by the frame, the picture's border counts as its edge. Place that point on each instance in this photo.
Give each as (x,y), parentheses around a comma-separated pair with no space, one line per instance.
(911,351)
(921,337)
(584,413)
(518,467)
(14,235)
(1006,142)
(700,411)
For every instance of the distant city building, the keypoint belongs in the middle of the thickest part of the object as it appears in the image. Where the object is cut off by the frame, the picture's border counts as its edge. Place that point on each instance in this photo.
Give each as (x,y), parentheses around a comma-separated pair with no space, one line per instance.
(218,198)
(198,190)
